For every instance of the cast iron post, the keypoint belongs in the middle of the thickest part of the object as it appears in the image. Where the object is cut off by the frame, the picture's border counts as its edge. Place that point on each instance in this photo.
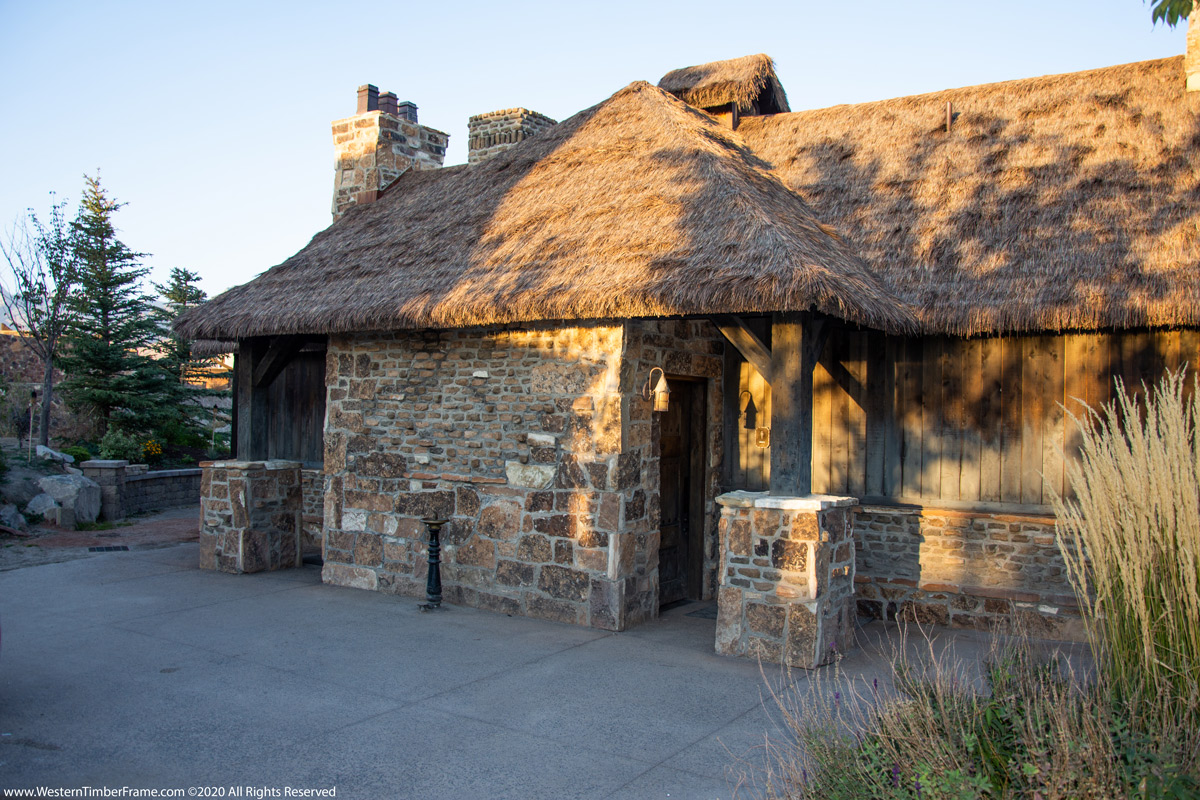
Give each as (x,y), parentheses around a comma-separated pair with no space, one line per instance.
(433,582)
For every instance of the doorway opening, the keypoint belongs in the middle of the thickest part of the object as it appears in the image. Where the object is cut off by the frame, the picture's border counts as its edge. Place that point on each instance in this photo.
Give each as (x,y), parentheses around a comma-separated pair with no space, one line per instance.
(682,466)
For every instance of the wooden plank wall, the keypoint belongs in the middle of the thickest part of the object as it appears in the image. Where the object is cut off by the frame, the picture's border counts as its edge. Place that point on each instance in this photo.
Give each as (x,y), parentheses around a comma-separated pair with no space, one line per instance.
(296,409)
(956,421)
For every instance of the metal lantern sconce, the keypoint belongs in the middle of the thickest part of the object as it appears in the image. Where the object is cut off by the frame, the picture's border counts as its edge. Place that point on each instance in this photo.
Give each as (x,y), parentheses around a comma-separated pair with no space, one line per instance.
(661,393)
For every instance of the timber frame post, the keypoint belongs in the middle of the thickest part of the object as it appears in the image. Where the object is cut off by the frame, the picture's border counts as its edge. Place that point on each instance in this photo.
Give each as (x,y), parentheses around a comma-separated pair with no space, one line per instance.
(796,342)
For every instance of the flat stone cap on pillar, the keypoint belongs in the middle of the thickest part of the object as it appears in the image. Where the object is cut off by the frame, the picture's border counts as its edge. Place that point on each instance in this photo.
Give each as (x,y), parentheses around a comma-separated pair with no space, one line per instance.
(804,502)
(105,463)
(272,464)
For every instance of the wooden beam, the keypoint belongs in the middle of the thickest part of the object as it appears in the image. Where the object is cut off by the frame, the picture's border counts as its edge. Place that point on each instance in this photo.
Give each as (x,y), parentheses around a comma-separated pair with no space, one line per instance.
(747,343)
(796,339)
(731,475)
(278,355)
(251,406)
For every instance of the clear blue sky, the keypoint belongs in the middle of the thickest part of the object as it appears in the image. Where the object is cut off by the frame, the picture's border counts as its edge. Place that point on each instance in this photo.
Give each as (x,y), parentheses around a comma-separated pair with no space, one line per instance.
(211,119)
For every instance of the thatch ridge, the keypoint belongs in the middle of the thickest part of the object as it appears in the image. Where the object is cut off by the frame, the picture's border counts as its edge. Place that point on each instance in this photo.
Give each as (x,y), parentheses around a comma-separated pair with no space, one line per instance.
(1055,203)
(717,83)
(640,206)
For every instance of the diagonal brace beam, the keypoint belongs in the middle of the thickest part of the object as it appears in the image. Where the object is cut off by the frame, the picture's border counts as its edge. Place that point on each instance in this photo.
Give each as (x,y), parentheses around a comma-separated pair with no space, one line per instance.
(735,330)
(279,354)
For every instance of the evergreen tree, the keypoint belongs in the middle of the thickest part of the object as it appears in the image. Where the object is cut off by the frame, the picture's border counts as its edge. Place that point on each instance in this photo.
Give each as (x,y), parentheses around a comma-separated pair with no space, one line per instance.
(113,330)
(188,373)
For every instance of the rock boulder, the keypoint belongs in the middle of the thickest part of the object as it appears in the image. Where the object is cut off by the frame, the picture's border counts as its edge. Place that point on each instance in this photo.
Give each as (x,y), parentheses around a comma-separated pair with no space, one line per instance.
(75,492)
(10,516)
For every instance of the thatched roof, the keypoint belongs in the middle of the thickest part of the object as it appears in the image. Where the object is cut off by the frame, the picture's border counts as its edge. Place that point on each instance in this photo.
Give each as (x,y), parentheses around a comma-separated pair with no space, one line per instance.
(1068,201)
(747,81)
(208,348)
(638,207)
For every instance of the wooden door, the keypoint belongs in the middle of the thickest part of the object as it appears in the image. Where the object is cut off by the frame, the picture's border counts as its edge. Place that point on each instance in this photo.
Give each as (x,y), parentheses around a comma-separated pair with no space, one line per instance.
(681,494)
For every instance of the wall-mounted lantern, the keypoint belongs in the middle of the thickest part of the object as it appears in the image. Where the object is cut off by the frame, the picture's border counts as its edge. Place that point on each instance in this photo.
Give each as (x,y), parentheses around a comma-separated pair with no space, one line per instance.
(749,411)
(661,393)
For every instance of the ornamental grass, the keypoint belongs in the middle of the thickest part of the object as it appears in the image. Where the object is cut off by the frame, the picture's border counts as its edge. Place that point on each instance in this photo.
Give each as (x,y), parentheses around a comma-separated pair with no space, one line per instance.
(1027,722)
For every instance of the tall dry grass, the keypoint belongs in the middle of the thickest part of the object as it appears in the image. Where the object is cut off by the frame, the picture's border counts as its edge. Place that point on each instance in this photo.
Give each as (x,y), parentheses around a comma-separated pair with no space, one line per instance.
(1021,724)
(1130,538)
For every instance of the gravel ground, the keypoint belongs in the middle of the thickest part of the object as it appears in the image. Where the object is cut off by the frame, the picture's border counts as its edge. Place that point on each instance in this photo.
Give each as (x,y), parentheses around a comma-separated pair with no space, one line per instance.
(47,544)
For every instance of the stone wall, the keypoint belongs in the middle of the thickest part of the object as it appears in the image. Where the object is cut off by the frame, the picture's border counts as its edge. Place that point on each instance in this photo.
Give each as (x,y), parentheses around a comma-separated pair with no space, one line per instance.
(691,348)
(250,515)
(787,578)
(168,488)
(534,443)
(964,569)
(493,133)
(132,489)
(312,487)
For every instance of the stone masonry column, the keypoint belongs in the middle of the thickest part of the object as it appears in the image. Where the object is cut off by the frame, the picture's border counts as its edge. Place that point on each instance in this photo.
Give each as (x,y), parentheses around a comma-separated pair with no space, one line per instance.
(110,475)
(251,514)
(786,590)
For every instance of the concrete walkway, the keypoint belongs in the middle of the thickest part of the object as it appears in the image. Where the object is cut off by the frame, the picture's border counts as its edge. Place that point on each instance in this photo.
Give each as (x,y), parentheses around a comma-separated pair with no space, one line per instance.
(137,669)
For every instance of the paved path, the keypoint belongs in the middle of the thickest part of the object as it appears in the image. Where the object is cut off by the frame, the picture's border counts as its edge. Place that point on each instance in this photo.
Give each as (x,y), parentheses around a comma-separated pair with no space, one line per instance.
(138,669)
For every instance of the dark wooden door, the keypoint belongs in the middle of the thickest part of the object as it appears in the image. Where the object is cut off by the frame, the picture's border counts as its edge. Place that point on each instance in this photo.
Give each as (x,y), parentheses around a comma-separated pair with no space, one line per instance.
(681,494)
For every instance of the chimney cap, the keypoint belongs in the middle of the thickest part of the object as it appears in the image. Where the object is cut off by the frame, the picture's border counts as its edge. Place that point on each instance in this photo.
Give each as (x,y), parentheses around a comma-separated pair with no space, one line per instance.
(368,98)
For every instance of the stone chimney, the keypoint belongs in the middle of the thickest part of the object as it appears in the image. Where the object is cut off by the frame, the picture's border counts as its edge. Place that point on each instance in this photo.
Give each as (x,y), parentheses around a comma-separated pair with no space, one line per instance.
(1191,60)
(495,132)
(379,144)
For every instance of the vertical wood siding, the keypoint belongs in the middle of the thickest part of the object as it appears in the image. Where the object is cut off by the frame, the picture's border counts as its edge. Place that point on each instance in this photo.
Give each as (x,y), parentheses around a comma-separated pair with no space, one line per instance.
(296,401)
(958,421)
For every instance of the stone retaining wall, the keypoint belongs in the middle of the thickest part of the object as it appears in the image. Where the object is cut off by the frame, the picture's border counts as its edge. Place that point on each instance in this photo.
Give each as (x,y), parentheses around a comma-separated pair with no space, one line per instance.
(167,488)
(965,569)
(131,489)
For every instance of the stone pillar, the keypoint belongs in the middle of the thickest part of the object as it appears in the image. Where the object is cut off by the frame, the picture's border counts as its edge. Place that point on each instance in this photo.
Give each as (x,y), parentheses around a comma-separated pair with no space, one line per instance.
(786,578)
(110,475)
(250,515)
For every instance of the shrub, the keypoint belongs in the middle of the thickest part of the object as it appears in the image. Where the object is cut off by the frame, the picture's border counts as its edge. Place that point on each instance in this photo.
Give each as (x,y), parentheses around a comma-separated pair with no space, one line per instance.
(1026,726)
(116,444)
(80,454)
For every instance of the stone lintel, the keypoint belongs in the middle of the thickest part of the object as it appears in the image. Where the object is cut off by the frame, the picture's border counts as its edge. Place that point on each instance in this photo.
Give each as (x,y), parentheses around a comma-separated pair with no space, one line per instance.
(273,464)
(805,502)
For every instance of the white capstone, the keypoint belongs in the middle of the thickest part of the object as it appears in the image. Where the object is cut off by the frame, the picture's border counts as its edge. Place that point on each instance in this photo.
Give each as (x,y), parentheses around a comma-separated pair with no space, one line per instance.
(531,476)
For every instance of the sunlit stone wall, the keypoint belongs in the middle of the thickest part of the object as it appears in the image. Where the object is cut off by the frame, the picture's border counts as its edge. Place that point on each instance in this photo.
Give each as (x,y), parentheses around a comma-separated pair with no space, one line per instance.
(535,443)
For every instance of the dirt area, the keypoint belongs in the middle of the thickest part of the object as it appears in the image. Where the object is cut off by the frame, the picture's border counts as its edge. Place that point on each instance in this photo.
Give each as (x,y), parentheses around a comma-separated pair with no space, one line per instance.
(47,544)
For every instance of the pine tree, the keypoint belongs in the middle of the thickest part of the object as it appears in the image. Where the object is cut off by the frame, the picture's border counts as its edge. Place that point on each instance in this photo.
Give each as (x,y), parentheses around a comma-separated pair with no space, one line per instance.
(188,373)
(113,330)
